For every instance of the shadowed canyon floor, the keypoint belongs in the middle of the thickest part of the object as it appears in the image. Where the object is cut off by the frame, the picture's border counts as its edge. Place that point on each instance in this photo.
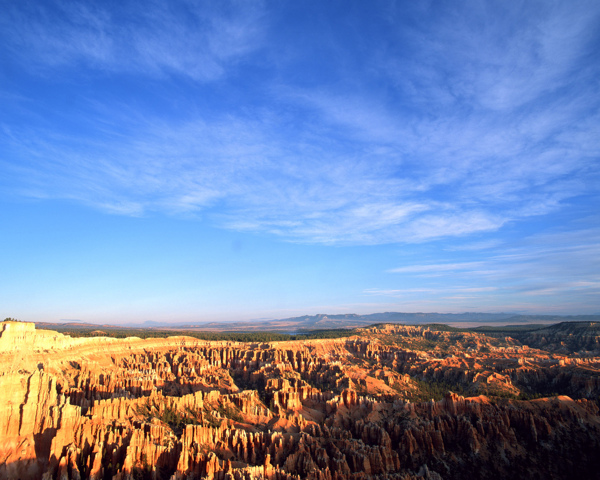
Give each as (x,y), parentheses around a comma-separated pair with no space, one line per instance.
(392,402)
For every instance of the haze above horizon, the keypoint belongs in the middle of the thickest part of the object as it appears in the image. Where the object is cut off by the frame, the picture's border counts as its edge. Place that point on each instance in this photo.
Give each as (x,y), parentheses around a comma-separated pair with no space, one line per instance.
(211,161)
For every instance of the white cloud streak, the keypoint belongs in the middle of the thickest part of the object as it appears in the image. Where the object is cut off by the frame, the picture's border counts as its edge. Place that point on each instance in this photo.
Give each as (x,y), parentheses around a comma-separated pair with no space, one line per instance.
(199,40)
(475,130)
(436,268)
(557,270)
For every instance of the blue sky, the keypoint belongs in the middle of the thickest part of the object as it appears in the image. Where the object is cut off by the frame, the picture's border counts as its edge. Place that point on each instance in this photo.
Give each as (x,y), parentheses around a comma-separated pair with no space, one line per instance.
(194,161)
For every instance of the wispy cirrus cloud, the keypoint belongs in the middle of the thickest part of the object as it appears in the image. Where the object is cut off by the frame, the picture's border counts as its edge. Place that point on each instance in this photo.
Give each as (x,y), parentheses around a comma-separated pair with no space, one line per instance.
(559,270)
(441,132)
(241,173)
(480,118)
(436,268)
(199,40)
(410,292)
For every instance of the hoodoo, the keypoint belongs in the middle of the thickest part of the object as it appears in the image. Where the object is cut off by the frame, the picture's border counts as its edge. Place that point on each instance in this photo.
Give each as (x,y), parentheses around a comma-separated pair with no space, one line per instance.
(392,402)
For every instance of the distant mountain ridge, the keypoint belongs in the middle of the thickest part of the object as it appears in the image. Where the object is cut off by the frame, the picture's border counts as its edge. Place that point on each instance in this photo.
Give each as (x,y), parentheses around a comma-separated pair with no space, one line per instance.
(404,317)
(351,320)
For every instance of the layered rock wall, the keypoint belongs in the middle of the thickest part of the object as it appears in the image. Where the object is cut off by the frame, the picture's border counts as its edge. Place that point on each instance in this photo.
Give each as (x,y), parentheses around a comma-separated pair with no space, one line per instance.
(182,408)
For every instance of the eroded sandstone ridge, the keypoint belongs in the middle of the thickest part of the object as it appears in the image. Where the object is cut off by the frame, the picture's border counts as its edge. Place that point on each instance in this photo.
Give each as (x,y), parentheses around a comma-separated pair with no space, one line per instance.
(373,406)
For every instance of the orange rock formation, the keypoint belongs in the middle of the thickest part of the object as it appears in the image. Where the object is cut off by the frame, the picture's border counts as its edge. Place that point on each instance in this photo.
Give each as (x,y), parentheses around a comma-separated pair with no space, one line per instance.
(181,408)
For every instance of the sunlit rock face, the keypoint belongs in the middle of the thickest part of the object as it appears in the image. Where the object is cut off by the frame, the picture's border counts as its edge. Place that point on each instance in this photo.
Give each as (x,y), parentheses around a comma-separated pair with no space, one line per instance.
(373,406)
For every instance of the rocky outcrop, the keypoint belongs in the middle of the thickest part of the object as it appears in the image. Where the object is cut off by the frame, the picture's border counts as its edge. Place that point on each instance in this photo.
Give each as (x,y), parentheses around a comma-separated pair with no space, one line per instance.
(181,408)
